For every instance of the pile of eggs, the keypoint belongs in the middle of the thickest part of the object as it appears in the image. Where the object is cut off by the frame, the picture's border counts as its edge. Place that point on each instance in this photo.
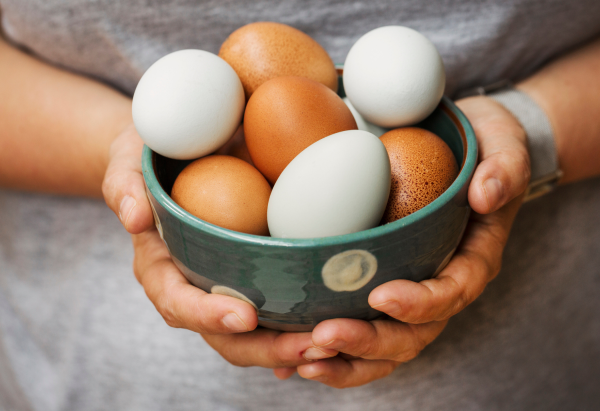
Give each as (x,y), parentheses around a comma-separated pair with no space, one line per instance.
(304,163)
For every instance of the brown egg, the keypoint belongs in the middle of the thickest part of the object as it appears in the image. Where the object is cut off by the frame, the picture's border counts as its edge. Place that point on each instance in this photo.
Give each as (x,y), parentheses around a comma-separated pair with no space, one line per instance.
(224,191)
(261,51)
(423,167)
(287,114)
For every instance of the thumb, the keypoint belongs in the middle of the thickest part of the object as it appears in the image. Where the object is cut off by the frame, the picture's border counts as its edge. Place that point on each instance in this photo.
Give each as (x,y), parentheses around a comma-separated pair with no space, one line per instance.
(504,169)
(123,186)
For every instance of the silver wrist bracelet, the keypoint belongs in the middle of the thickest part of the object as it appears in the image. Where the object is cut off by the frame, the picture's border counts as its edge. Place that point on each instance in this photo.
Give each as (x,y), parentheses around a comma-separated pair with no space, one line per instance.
(545,171)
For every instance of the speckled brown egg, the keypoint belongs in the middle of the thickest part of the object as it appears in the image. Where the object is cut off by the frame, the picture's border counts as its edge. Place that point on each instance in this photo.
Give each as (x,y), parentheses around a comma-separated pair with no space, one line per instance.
(224,191)
(261,51)
(287,114)
(422,166)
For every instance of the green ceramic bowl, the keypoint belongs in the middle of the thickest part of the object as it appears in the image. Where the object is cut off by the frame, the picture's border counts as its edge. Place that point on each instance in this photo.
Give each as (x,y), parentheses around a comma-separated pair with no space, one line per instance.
(297,283)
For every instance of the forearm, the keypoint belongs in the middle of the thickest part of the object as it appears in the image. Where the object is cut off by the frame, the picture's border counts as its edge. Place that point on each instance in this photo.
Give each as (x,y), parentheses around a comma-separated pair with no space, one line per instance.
(55,126)
(568,90)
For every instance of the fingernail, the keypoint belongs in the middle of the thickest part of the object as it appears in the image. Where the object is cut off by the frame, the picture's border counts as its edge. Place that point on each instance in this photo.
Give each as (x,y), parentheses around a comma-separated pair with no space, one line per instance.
(234,322)
(314,353)
(311,373)
(493,192)
(388,307)
(125,208)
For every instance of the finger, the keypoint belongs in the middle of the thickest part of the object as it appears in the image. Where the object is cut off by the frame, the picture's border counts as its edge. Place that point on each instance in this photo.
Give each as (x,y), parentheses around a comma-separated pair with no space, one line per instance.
(476,262)
(262,347)
(504,169)
(339,373)
(376,340)
(181,304)
(123,186)
(284,373)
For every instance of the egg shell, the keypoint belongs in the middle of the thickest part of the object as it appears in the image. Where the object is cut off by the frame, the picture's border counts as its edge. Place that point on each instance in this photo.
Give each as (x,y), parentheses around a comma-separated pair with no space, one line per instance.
(188,104)
(363,124)
(224,191)
(338,185)
(423,167)
(394,76)
(262,51)
(286,115)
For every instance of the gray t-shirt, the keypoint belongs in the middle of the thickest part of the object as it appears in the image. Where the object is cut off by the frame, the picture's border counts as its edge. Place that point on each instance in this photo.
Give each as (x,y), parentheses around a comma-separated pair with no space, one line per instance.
(78,333)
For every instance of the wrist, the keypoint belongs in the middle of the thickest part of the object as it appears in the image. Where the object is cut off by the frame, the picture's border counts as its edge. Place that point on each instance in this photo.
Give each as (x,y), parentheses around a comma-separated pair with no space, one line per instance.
(540,140)
(545,170)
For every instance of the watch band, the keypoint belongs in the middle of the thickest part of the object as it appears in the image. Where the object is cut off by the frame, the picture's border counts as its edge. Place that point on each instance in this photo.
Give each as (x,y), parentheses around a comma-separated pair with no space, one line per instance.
(545,171)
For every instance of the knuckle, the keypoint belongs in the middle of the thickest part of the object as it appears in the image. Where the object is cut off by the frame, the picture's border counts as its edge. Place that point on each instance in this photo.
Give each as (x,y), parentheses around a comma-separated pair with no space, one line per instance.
(276,359)
(277,353)
(464,299)
(492,269)
(137,269)
(110,187)
(417,344)
(370,346)
(165,308)
(461,300)
(489,127)
(411,353)
(366,348)
(419,309)
(523,167)
(422,311)
(391,367)
(516,166)
(498,238)
(107,184)
(387,368)
(467,294)
(494,265)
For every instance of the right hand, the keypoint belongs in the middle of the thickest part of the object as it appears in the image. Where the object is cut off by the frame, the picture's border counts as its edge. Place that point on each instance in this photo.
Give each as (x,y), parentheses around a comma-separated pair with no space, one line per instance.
(226,323)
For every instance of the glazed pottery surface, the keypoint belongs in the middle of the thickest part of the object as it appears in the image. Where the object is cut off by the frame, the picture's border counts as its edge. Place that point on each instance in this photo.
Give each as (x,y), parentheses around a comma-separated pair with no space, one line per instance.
(296,283)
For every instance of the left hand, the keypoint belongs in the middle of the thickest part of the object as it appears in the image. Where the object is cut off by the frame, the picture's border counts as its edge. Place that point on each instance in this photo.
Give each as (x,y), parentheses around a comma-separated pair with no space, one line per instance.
(419,311)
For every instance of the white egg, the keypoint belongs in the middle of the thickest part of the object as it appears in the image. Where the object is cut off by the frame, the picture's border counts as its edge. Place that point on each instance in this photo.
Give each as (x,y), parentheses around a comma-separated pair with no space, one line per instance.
(364,124)
(394,76)
(338,185)
(188,104)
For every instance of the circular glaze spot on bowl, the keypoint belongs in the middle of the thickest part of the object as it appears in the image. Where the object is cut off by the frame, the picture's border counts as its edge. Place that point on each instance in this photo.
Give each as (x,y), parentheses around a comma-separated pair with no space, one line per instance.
(349,270)
(224,290)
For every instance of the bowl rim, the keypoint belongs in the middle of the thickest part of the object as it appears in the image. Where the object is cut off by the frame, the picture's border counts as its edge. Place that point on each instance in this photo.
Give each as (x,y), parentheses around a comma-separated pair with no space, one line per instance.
(468,166)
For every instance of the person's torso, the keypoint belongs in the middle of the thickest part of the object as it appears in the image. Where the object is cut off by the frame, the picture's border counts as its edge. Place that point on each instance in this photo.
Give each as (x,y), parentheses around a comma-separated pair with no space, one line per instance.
(78,333)
(481,41)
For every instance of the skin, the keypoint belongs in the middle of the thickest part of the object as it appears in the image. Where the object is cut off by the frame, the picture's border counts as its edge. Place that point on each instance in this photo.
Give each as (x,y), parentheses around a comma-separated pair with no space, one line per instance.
(82,131)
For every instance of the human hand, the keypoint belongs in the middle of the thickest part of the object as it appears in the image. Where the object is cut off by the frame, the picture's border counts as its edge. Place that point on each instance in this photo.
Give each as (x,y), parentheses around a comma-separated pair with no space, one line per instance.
(419,311)
(226,323)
